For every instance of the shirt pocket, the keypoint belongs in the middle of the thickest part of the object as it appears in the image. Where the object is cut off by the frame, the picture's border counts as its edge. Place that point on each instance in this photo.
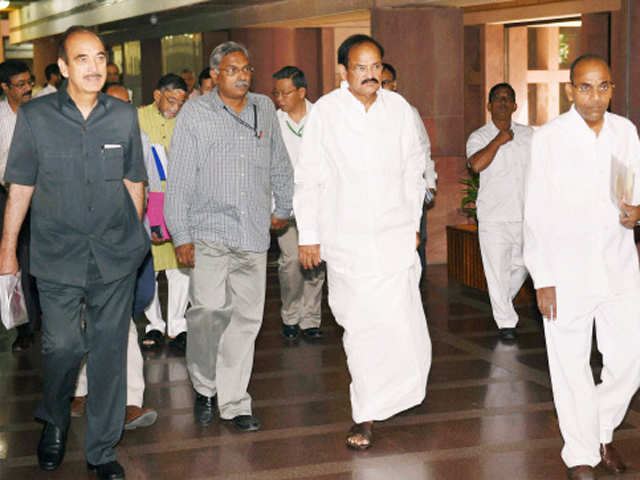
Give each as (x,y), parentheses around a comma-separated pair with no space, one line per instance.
(57,166)
(113,161)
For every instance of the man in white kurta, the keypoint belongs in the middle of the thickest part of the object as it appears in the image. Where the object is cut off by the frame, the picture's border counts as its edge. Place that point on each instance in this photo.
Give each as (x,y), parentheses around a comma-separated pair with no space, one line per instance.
(300,290)
(500,151)
(359,189)
(584,265)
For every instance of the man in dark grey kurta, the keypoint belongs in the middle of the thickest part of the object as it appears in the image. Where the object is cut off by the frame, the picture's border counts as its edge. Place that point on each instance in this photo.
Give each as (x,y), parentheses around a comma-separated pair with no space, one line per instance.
(227,157)
(78,162)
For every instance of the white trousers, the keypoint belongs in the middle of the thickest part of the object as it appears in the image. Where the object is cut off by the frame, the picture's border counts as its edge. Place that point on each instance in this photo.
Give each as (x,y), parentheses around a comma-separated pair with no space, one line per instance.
(385,338)
(178,298)
(300,290)
(135,375)
(501,249)
(588,414)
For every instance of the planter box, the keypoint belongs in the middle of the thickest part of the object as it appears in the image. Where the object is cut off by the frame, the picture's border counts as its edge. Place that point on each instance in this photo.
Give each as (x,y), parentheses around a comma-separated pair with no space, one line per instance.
(464,262)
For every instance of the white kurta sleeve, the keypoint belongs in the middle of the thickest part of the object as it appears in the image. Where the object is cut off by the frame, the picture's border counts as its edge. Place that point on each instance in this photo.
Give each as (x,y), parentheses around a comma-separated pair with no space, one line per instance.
(416,150)
(633,151)
(430,174)
(537,227)
(310,174)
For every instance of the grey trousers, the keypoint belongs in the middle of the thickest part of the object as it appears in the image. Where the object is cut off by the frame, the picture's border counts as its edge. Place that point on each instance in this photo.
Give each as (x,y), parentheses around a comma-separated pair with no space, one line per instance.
(300,290)
(103,340)
(227,291)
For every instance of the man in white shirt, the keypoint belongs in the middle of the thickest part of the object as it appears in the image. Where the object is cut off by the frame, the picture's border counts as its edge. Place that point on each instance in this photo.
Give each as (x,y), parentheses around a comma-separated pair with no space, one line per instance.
(54,79)
(15,81)
(300,290)
(579,248)
(500,151)
(359,190)
(390,82)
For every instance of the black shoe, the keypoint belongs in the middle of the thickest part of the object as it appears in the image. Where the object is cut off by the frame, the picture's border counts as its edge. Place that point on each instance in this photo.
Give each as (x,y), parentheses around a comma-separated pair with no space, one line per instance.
(245,423)
(108,471)
(312,333)
(204,409)
(51,447)
(507,334)
(179,342)
(22,343)
(290,331)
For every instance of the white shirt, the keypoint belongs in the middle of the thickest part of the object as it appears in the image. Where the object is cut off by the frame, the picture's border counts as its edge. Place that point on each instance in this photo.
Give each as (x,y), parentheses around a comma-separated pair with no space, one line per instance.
(430,174)
(573,239)
(359,183)
(288,128)
(7,126)
(45,91)
(501,194)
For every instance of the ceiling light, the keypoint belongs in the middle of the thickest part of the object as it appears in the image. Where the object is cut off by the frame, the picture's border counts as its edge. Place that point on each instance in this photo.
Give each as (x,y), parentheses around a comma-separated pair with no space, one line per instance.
(4,4)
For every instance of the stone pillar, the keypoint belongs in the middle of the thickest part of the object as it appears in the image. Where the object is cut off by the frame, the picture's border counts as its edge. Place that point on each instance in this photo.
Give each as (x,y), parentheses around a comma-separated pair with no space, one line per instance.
(151,67)
(426,45)
(547,94)
(625,61)
(273,48)
(45,52)
(594,34)
(518,67)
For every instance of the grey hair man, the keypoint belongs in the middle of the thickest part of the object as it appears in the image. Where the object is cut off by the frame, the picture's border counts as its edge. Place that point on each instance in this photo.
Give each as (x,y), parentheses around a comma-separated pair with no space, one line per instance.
(227,160)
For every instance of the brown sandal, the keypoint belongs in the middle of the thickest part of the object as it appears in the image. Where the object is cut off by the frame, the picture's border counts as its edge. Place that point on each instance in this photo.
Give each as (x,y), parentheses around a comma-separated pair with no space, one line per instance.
(360,431)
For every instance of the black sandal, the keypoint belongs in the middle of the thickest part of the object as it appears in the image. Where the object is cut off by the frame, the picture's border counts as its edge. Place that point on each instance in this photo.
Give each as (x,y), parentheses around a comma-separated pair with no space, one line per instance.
(363,430)
(179,342)
(152,339)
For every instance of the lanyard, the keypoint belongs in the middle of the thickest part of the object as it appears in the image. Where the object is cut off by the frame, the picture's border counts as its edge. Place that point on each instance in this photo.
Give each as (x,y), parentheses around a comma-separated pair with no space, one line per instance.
(298,133)
(158,164)
(245,124)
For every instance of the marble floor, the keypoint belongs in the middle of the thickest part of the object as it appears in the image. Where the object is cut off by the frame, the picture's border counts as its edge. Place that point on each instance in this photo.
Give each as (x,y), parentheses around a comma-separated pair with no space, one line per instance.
(488,413)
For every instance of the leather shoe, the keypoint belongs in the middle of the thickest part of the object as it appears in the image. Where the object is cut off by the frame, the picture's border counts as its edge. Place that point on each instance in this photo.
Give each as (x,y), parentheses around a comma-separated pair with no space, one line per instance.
(179,342)
(290,331)
(245,423)
(137,417)
(312,333)
(507,334)
(204,409)
(611,458)
(51,447)
(581,472)
(108,471)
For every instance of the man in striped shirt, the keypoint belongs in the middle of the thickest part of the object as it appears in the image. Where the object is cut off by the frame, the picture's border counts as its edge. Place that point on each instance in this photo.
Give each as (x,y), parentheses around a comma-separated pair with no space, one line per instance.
(227,159)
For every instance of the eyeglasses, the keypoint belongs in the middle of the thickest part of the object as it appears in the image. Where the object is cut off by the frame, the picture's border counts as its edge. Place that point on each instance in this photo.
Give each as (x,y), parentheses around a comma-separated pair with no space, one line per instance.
(22,84)
(588,89)
(232,71)
(362,69)
(277,93)
(173,101)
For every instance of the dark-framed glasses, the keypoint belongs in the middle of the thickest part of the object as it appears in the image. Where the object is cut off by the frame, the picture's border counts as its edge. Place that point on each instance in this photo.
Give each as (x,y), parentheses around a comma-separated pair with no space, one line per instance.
(233,70)
(22,84)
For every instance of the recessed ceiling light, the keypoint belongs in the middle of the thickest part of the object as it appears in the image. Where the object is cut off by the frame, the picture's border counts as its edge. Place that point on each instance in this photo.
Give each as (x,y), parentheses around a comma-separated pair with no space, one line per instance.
(4,4)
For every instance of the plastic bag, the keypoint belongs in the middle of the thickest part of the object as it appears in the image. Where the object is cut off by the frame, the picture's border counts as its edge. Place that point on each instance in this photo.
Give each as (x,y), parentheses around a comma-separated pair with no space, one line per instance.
(12,307)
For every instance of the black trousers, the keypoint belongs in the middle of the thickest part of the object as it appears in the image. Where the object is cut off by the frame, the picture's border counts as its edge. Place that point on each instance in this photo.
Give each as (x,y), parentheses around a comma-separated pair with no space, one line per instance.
(107,312)
(29,288)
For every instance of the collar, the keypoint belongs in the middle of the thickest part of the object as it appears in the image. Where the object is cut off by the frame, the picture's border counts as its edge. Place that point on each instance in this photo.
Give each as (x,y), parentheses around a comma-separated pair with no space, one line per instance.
(65,98)
(344,86)
(578,122)
(287,118)
(216,102)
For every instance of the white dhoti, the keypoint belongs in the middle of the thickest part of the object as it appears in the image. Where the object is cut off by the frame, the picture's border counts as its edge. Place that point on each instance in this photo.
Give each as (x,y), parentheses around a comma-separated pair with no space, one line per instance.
(385,338)
(589,413)
(501,249)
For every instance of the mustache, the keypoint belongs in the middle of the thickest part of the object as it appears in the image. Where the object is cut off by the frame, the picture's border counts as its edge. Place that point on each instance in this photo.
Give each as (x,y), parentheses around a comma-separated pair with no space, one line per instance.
(372,80)
(241,83)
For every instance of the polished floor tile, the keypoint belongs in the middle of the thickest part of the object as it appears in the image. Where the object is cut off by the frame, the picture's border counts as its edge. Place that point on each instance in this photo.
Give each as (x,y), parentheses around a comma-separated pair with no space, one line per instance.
(488,411)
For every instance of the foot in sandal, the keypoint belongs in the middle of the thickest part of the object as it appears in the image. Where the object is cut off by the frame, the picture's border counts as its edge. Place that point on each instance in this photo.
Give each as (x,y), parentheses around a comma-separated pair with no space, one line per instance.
(360,436)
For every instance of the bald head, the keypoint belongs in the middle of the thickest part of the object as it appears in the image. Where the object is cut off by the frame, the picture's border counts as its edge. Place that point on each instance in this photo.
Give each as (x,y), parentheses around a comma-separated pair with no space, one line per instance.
(589,58)
(118,91)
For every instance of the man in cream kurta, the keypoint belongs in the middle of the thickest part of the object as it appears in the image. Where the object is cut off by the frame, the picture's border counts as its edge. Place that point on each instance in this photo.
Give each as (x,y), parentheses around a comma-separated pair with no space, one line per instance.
(158,120)
(500,151)
(359,189)
(584,265)
(300,290)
